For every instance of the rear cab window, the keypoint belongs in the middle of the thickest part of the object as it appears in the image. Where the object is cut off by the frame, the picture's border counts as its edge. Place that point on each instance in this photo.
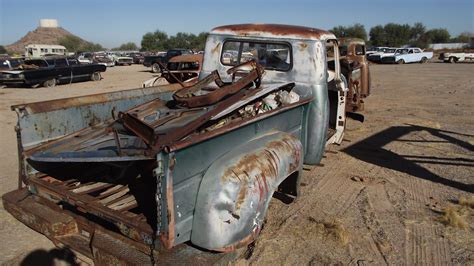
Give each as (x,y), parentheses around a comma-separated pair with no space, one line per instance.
(360,49)
(271,55)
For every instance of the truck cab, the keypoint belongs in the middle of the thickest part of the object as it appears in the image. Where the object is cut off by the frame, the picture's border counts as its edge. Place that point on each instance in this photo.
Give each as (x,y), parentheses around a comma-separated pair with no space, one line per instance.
(159,167)
(355,68)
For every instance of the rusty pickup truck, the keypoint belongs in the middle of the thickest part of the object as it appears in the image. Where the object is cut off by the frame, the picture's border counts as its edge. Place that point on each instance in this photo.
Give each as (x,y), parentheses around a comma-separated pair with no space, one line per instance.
(134,176)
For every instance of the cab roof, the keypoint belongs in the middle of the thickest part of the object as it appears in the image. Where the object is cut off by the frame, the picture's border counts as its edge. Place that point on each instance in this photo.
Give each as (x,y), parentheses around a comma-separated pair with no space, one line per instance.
(274,31)
(347,40)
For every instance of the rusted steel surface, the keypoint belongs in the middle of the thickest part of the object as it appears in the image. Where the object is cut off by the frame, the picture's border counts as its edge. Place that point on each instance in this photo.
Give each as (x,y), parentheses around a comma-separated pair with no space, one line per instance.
(102,246)
(278,30)
(39,217)
(231,210)
(356,65)
(200,94)
(187,58)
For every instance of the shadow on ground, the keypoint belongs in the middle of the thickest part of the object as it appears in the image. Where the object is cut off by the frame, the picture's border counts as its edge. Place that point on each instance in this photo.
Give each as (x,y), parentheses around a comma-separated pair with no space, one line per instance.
(51,257)
(372,150)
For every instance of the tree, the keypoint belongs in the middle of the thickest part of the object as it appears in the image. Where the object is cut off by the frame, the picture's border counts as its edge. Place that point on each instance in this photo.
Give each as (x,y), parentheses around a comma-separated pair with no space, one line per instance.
(396,34)
(417,31)
(356,31)
(129,46)
(159,41)
(181,40)
(2,50)
(71,42)
(465,37)
(378,36)
(200,41)
(437,36)
(91,47)
(155,41)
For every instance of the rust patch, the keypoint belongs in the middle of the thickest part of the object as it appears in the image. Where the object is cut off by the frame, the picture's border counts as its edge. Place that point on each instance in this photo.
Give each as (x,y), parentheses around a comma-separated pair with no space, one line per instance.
(216,49)
(264,167)
(275,29)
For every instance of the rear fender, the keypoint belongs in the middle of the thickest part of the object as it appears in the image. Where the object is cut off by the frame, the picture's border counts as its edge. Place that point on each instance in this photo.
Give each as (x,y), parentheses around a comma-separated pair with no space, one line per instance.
(236,189)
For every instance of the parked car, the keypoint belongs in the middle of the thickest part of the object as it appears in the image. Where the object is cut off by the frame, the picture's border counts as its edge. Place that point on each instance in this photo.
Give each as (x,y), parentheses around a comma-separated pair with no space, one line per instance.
(51,71)
(120,59)
(152,60)
(377,56)
(379,49)
(138,58)
(103,58)
(456,57)
(198,165)
(85,58)
(9,63)
(181,68)
(408,55)
(355,68)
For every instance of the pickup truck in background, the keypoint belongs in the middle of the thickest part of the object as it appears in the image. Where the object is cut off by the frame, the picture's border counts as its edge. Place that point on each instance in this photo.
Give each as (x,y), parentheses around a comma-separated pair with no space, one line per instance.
(456,57)
(408,55)
(122,176)
(154,60)
(51,71)
(180,69)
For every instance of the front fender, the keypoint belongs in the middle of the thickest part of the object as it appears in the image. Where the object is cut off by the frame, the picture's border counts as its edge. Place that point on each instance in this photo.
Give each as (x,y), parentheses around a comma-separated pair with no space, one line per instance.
(236,189)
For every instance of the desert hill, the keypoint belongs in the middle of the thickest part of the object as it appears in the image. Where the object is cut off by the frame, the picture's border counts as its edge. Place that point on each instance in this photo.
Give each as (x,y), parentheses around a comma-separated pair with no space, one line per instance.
(41,35)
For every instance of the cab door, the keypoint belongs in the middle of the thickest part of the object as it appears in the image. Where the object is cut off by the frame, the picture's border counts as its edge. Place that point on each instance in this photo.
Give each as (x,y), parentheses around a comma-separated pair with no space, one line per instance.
(63,71)
(337,94)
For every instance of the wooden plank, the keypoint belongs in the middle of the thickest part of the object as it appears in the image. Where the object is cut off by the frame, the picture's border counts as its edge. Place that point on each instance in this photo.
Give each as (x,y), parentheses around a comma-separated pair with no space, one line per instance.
(110,191)
(131,205)
(112,197)
(85,189)
(122,202)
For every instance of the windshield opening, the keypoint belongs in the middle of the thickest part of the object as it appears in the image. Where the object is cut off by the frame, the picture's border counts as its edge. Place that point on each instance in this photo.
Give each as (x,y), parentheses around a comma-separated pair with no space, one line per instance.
(272,56)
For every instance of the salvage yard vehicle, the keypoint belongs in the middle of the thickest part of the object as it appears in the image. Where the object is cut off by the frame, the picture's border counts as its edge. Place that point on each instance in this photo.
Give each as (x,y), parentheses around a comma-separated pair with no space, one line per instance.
(103,58)
(355,68)
(49,72)
(456,57)
(377,56)
(180,69)
(10,63)
(408,55)
(121,176)
(137,57)
(120,59)
(379,49)
(155,61)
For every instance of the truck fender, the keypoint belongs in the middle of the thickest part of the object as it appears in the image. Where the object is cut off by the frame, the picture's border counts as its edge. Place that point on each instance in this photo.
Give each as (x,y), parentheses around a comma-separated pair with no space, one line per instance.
(235,191)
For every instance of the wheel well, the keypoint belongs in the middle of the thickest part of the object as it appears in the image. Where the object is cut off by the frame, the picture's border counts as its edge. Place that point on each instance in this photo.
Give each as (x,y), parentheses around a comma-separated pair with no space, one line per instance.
(288,189)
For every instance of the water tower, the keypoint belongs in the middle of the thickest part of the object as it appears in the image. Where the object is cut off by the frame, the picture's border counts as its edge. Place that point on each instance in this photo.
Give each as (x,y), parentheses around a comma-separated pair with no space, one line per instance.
(48,23)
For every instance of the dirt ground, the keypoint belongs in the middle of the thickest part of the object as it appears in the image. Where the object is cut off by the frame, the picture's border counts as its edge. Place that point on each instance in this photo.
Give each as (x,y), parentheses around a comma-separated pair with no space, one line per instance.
(379,198)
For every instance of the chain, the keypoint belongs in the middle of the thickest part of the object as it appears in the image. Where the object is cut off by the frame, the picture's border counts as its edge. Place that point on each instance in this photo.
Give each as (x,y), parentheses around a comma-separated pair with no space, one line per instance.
(159,192)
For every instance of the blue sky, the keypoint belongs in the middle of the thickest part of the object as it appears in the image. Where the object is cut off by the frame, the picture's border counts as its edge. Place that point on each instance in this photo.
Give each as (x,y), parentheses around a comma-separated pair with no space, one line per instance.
(113,22)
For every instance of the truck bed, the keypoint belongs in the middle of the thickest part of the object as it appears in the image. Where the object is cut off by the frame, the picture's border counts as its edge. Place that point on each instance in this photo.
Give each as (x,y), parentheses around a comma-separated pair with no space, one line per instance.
(91,242)
(123,208)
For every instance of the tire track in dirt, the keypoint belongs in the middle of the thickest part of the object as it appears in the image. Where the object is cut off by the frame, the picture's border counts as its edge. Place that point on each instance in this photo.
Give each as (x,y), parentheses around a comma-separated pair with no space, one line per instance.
(420,230)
